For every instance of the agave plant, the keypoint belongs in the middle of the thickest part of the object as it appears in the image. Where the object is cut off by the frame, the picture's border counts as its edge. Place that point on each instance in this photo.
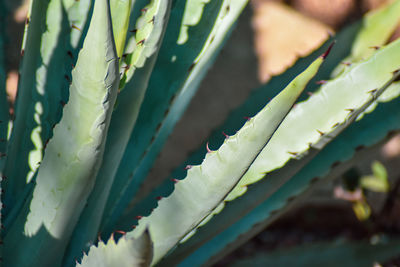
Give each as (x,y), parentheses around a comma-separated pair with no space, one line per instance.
(102,84)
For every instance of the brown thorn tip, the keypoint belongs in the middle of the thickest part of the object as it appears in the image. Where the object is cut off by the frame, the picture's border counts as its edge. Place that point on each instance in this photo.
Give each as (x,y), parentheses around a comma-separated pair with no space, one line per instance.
(321,133)
(376,47)
(138,217)
(120,232)
(293,153)
(208,148)
(174,180)
(226,136)
(324,55)
(321,82)
(310,93)
(188,167)
(158,198)
(247,118)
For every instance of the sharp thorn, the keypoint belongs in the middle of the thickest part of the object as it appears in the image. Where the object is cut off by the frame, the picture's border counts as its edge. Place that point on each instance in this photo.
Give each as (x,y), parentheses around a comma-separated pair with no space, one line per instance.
(321,82)
(324,55)
(208,148)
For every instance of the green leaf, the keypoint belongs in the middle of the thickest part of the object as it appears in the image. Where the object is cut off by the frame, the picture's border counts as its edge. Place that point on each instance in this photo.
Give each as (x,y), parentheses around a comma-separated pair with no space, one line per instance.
(122,122)
(176,76)
(335,97)
(41,87)
(127,252)
(73,156)
(378,26)
(374,127)
(206,185)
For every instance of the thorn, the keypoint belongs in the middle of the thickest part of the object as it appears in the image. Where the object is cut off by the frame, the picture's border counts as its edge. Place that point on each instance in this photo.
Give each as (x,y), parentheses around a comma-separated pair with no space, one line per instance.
(208,148)
(143,9)
(134,30)
(324,55)
(141,42)
(67,78)
(22,52)
(75,27)
(70,54)
(376,47)
(174,180)
(120,232)
(321,133)
(62,104)
(226,136)
(127,67)
(346,63)
(133,227)
(152,20)
(247,118)
(188,167)
(349,109)
(310,93)
(27,21)
(191,66)
(321,82)
(335,125)
(138,217)
(159,198)
(228,8)
(373,91)
(293,153)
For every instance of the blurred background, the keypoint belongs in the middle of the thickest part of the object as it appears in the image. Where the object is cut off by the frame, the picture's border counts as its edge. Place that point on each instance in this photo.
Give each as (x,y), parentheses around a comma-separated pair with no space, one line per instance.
(270,36)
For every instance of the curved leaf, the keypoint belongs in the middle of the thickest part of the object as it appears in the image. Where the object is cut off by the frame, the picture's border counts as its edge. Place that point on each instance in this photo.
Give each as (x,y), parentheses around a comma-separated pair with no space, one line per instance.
(206,185)
(73,156)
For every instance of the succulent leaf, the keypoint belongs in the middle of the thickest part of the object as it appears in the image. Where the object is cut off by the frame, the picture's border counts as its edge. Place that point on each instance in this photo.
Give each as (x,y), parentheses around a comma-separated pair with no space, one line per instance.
(311,145)
(73,156)
(250,107)
(206,185)
(189,62)
(122,122)
(377,27)
(40,91)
